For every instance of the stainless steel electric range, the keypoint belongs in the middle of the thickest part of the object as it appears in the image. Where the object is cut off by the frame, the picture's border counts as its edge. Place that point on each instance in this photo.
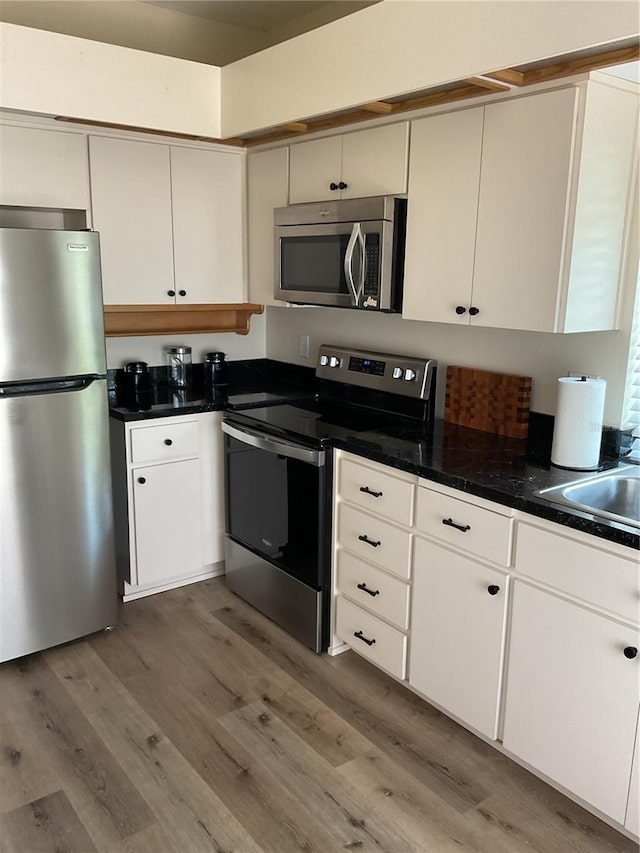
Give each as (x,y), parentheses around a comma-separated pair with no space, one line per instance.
(278,479)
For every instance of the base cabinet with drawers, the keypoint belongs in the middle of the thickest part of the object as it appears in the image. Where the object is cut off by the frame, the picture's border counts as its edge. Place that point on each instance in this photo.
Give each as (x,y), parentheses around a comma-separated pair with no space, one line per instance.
(523,630)
(168,502)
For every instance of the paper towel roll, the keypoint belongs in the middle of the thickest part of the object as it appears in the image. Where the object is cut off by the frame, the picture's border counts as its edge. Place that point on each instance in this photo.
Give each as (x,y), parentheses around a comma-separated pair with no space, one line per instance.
(578,427)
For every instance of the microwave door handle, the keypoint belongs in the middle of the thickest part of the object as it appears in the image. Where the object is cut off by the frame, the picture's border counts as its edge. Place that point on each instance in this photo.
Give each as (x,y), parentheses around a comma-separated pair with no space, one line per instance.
(363,271)
(348,261)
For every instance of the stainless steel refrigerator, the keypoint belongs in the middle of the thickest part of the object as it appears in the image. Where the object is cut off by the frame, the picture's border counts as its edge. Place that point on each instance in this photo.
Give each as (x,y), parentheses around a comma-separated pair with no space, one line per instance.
(57,567)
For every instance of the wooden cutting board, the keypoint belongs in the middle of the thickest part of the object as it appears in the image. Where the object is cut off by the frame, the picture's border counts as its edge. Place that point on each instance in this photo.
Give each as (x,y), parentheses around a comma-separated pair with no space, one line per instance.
(492,402)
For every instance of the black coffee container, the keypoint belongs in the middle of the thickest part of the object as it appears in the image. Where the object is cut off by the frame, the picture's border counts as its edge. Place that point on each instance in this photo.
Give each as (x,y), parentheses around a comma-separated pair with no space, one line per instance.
(215,369)
(137,378)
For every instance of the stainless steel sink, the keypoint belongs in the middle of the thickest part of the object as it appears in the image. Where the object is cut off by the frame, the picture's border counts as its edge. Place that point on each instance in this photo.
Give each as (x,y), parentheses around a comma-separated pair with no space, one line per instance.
(612,494)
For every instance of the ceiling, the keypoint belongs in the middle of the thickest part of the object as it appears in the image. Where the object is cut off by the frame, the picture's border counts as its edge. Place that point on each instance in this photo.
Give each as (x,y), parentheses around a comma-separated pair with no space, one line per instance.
(261,15)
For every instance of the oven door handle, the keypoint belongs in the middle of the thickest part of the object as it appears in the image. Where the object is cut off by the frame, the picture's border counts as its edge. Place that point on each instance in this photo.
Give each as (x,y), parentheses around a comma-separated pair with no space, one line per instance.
(274,445)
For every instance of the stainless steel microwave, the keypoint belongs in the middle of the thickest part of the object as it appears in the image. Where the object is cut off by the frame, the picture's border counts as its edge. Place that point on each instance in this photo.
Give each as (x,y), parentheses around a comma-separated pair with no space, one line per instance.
(347,254)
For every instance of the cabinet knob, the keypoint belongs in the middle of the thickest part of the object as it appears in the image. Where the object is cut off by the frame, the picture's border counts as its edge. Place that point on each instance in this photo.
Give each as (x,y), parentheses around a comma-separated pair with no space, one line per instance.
(630,652)
(142,480)
(492,589)
(342,185)
(171,293)
(182,293)
(473,311)
(168,442)
(333,186)
(460,309)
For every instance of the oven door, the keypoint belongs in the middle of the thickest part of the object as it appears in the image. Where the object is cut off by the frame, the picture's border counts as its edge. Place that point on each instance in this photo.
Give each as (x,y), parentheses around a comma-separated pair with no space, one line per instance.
(275,496)
(338,264)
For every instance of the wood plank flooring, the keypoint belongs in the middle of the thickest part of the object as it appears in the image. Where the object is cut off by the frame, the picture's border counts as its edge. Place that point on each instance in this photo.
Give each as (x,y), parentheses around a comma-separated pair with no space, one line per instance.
(198,726)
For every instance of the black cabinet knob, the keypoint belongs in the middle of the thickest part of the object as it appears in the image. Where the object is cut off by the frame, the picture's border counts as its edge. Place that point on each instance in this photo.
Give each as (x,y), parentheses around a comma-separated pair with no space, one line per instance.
(492,589)
(630,652)
(182,293)
(142,480)
(473,311)
(168,442)
(333,186)
(342,185)
(460,309)
(171,293)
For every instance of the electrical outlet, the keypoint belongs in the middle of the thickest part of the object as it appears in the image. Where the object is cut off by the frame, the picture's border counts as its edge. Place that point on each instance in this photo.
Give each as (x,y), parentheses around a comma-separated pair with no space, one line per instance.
(303,346)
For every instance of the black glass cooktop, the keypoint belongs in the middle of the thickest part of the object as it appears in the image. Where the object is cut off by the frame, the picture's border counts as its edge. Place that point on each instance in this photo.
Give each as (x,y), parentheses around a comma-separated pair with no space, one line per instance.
(315,422)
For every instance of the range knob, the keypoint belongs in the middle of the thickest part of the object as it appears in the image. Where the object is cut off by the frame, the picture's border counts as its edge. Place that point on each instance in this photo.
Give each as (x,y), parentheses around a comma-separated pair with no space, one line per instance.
(324,360)
(334,361)
(397,373)
(409,375)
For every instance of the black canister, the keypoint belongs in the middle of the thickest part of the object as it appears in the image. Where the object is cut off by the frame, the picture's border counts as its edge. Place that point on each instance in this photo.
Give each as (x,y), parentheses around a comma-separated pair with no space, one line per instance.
(215,369)
(137,378)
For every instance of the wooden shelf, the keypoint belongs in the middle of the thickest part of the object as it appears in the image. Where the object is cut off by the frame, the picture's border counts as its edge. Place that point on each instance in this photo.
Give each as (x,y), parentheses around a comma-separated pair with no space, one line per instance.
(133,320)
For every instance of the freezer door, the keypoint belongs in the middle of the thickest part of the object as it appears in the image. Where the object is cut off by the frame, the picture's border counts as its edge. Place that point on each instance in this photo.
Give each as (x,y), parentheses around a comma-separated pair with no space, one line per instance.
(51,314)
(57,567)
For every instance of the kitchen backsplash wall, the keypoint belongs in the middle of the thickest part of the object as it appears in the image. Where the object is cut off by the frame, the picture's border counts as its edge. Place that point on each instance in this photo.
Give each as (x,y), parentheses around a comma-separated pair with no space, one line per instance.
(151,348)
(544,357)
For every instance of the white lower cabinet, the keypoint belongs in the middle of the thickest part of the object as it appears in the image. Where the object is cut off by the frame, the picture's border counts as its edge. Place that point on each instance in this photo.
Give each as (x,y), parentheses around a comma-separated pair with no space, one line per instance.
(632,819)
(374,639)
(572,696)
(168,504)
(458,620)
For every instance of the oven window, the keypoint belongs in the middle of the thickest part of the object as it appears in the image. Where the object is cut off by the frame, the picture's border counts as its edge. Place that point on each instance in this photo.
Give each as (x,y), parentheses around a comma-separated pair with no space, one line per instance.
(274,505)
(314,264)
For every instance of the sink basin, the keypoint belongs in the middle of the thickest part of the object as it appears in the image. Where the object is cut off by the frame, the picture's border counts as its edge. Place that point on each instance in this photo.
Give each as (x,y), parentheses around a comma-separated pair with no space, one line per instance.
(612,494)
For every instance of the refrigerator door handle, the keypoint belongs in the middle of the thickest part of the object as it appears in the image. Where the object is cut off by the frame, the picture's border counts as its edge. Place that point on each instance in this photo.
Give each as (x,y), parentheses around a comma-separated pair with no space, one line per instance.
(48,386)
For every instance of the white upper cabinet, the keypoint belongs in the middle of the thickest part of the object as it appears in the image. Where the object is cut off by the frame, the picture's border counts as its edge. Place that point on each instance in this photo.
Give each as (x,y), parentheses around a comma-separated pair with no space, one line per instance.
(171,222)
(537,242)
(267,188)
(208,225)
(131,198)
(355,165)
(43,168)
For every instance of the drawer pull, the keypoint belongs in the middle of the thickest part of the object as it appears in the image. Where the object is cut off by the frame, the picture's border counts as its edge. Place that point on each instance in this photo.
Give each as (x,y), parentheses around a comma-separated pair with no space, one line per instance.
(451,523)
(369,541)
(368,491)
(630,652)
(371,592)
(362,637)
(493,589)
(168,442)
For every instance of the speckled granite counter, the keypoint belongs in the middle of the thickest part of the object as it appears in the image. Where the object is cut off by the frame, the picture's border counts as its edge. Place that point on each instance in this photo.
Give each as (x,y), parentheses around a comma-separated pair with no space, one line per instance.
(498,469)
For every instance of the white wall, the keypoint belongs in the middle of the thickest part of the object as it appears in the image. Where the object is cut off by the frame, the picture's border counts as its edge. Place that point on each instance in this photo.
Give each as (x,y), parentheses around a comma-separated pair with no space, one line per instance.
(42,72)
(403,46)
(151,348)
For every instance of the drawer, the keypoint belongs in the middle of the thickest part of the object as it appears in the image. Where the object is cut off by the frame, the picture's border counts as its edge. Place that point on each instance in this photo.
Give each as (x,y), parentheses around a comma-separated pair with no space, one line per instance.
(383,645)
(372,589)
(384,545)
(604,579)
(377,491)
(170,441)
(478,531)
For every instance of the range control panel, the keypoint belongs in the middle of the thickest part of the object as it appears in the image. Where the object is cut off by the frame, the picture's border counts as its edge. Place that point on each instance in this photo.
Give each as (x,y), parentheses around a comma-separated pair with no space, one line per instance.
(396,374)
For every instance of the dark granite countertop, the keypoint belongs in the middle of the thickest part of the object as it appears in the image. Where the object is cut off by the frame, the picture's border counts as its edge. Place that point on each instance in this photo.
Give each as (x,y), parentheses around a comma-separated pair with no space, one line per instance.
(503,470)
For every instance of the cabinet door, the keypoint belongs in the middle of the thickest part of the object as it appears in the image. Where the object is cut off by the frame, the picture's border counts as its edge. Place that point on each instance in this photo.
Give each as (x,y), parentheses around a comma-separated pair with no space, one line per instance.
(632,820)
(131,201)
(313,167)
(527,157)
(444,177)
(208,225)
(166,509)
(374,162)
(43,168)
(572,697)
(268,187)
(457,634)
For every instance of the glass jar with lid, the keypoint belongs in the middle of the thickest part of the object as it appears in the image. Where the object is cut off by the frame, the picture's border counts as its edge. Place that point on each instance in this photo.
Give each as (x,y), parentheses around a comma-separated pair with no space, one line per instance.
(179,365)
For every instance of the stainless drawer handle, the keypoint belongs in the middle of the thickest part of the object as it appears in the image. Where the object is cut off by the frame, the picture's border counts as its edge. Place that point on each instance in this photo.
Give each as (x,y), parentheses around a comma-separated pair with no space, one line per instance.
(371,592)
(369,541)
(367,491)
(362,637)
(451,523)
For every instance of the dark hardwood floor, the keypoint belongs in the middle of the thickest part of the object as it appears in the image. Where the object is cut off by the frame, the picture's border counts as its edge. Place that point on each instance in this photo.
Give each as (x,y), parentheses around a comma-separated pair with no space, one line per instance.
(198,725)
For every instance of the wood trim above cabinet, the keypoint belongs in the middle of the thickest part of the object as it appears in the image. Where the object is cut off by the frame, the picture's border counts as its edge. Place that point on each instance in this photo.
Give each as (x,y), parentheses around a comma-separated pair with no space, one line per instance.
(134,320)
